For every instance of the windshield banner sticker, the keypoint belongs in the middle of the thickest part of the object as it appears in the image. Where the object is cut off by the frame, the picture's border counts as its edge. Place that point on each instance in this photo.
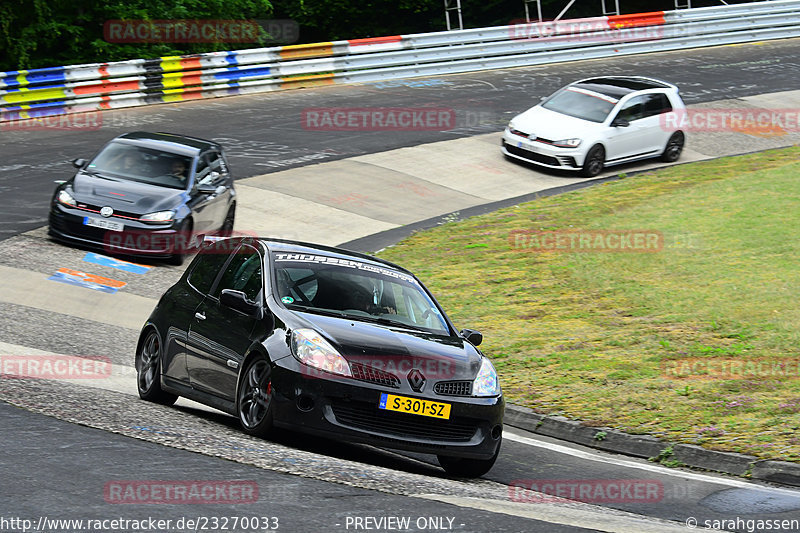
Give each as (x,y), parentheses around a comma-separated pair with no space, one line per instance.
(348,263)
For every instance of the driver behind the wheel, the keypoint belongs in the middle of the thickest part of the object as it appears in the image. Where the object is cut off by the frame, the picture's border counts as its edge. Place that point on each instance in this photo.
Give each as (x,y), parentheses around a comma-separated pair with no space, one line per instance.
(362,300)
(178,170)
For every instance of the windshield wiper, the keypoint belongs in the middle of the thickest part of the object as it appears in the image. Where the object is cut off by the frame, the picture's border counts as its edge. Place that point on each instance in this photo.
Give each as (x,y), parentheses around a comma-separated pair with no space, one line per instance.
(99,174)
(389,322)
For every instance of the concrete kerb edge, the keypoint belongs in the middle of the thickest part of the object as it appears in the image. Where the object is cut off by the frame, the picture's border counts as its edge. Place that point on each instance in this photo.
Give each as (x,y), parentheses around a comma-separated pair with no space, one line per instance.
(378,241)
(606,439)
(652,448)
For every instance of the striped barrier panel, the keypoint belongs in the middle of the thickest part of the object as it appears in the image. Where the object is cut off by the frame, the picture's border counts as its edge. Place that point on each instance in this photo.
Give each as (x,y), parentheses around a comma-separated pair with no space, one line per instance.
(80,88)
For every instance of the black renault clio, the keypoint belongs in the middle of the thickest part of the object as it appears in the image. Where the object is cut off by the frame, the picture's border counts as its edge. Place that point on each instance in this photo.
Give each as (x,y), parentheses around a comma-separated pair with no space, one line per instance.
(292,335)
(146,194)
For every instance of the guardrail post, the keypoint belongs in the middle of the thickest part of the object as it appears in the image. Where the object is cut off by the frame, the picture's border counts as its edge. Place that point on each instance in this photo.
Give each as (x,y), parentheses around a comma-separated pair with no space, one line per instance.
(453,5)
(538,10)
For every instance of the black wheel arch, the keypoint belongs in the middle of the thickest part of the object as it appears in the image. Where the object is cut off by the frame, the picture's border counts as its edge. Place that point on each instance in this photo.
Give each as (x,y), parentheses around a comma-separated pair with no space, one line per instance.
(148,327)
(256,351)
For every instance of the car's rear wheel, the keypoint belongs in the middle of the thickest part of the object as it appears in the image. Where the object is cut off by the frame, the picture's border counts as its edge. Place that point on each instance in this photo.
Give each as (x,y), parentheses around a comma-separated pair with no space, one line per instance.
(470,468)
(674,147)
(227,226)
(148,371)
(254,398)
(594,162)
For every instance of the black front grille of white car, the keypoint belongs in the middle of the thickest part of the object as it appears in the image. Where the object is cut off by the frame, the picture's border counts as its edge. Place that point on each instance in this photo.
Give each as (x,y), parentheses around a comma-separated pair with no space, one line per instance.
(532,156)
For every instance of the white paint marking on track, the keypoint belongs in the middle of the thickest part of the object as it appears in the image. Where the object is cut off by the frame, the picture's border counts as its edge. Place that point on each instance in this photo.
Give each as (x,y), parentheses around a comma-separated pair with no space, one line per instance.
(594,520)
(627,463)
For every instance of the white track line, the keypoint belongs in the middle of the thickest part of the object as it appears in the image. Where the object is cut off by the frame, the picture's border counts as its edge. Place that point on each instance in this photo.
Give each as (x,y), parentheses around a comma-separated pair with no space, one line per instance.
(626,463)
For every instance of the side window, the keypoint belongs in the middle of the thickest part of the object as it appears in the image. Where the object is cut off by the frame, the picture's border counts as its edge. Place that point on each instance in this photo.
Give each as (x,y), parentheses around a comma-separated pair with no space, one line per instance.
(242,274)
(656,104)
(633,110)
(206,267)
(216,167)
(201,175)
(223,164)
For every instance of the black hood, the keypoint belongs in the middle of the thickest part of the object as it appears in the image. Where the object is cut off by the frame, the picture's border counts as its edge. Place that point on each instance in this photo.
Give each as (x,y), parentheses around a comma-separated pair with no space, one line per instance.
(125,195)
(398,349)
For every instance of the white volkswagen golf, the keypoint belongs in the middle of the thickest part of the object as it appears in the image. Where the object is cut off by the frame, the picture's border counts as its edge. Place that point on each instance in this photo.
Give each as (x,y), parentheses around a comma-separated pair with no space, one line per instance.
(598,122)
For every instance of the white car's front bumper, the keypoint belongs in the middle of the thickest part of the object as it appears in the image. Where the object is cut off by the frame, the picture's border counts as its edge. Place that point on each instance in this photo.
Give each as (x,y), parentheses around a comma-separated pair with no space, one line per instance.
(541,153)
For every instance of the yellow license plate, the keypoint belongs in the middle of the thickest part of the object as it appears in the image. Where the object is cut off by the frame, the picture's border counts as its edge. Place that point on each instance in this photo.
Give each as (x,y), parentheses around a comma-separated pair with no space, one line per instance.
(415,406)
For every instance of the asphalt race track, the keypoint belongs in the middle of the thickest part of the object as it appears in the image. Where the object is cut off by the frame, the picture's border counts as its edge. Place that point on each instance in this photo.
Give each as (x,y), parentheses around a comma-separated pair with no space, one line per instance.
(74,439)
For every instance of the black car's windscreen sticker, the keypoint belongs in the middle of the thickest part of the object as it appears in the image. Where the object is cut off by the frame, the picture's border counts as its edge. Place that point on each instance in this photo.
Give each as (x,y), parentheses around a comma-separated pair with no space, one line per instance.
(349,263)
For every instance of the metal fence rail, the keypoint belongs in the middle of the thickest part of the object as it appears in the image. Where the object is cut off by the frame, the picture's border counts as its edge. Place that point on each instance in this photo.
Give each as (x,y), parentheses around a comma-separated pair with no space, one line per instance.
(81,88)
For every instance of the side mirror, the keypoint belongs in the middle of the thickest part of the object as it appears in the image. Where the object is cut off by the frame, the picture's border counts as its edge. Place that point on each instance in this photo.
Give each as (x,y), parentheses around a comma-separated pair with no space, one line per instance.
(79,163)
(237,300)
(206,188)
(620,123)
(472,336)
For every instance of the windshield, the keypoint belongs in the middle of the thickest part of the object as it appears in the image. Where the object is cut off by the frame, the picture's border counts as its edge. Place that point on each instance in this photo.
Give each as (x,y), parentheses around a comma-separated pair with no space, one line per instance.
(581,103)
(142,164)
(356,290)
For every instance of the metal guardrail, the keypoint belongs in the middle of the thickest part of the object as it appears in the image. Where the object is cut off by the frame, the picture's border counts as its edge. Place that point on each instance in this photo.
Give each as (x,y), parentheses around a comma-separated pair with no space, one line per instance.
(81,88)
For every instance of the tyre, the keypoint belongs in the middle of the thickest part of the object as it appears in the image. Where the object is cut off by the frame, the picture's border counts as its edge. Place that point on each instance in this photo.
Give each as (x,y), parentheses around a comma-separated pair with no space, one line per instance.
(470,468)
(594,162)
(148,371)
(674,147)
(183,244)
(227,225)
(254,398)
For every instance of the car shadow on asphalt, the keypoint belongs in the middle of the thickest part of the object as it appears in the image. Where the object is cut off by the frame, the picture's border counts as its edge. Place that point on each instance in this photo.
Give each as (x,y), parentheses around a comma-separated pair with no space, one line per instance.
(359,453)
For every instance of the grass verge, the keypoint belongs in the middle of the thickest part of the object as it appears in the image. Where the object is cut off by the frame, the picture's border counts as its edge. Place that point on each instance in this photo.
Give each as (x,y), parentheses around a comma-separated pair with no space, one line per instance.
(695,343)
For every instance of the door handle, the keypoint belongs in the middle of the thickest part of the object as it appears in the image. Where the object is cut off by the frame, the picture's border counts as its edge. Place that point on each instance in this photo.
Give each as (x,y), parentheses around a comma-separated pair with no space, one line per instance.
(200,316)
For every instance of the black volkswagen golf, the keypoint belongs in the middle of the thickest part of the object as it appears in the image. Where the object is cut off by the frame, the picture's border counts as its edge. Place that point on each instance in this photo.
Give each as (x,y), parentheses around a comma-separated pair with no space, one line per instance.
(290,335)
(146,194)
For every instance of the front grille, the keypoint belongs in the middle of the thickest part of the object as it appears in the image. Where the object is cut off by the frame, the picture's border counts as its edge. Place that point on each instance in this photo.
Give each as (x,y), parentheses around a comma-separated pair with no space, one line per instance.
(360,415)
(366,373)
(453,388)
(76,228)
(94,210)
(533,156)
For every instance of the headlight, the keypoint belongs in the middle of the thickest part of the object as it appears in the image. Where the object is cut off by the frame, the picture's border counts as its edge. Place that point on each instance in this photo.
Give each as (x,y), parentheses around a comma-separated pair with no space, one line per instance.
(159,217)
(568,143)
(515,131)
(66,198)
(311,349)
(486,383)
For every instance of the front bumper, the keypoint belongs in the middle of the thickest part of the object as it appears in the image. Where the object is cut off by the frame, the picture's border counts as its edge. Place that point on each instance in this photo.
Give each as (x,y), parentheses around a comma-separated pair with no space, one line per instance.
(136,238)
(542,154)
(347,409)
